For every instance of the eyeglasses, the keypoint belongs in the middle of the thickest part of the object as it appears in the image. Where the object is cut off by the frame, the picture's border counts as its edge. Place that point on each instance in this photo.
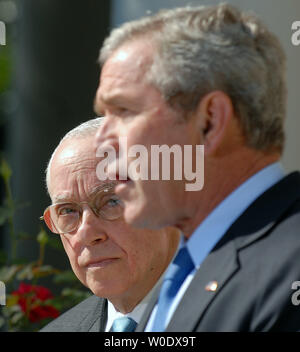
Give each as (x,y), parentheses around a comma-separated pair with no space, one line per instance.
(66,217)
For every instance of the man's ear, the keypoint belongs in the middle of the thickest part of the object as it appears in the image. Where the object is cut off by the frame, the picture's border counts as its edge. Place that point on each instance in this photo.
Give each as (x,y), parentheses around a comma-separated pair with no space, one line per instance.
(215,111)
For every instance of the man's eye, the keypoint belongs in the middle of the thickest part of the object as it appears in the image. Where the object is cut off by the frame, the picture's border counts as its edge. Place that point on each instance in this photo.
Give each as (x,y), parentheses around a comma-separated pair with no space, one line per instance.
(107,203)
(123,112)
(110,203)
(66,210)
(114,202)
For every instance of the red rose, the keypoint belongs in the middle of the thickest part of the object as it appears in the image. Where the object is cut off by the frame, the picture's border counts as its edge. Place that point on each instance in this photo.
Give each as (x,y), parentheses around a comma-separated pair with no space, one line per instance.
(30,298)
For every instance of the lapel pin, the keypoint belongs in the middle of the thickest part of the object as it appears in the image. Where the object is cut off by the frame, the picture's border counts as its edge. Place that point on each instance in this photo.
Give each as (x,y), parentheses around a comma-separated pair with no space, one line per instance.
(211,286)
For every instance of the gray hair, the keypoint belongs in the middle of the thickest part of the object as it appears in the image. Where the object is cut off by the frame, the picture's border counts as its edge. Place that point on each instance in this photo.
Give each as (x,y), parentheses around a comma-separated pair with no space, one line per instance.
(201,49)
(85,129)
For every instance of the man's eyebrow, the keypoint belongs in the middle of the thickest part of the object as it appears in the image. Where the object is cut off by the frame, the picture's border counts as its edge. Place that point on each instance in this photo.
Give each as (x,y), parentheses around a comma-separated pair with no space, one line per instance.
(111,98)
(65,198)
(103,187)
(61,198)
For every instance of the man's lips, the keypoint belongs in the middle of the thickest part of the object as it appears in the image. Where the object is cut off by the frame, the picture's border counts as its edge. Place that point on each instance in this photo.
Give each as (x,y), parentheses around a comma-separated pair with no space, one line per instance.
(98,263)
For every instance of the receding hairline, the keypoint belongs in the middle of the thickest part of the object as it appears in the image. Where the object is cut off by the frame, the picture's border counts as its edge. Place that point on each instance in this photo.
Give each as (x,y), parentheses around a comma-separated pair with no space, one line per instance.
(86,129)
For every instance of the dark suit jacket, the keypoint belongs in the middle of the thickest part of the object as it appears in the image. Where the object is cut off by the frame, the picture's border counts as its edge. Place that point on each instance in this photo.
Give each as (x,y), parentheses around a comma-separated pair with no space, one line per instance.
(88,316)
(254,264)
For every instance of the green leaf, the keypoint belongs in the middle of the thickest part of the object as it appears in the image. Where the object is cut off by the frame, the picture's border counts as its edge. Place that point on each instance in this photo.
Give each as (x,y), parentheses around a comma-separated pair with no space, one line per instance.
(45,270)
(26,273)
(42,237)
(17,317)
(5,67)
(5,170)
(12,300)
(7,273)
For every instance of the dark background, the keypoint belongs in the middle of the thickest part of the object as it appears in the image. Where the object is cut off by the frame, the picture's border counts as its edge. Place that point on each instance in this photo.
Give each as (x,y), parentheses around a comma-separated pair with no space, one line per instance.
(48,79)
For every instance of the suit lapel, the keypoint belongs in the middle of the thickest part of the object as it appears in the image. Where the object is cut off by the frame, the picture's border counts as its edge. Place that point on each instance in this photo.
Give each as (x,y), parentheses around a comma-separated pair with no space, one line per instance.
(144,320)
(219,266)
(97,321)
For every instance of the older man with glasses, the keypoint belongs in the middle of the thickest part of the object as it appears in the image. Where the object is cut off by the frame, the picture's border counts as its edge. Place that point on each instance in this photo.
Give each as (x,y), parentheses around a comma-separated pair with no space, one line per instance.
(120,265)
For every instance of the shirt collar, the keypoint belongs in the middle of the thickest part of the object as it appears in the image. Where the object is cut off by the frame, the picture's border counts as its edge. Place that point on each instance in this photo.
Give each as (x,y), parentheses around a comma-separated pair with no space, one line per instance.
(137,313)
(215,225)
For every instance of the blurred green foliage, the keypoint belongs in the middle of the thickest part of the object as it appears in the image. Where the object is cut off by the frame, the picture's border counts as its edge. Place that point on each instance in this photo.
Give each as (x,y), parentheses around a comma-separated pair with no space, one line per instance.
(5,67)
(29,305)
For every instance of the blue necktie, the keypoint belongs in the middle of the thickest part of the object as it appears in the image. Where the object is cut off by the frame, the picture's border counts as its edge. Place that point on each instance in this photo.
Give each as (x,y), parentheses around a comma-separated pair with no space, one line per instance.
(124,324)
(178,270)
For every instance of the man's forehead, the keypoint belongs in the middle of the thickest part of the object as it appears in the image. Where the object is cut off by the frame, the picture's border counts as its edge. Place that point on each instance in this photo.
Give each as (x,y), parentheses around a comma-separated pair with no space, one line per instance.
(75,164)
(66,154)
(129,61)
(98,187)
(124,70)
(78,161)
(74,156)
(75,150)
(131,48)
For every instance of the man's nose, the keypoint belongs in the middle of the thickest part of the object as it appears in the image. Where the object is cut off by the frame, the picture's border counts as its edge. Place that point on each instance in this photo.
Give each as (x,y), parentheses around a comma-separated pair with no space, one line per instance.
(92,229)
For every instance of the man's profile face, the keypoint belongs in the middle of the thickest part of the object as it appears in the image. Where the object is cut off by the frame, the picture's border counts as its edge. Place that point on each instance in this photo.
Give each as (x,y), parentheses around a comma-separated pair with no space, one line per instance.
(109,257)
(135,109)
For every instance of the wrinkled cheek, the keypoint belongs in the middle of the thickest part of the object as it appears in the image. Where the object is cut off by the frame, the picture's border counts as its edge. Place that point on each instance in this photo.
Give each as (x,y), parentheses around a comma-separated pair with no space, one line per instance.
(135,267)
(73,259)
(80,274)
(72,244)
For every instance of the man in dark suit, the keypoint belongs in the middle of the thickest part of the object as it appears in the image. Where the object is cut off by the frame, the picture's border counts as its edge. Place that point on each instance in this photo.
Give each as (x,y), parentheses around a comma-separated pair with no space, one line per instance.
(210,76)
(119,264)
